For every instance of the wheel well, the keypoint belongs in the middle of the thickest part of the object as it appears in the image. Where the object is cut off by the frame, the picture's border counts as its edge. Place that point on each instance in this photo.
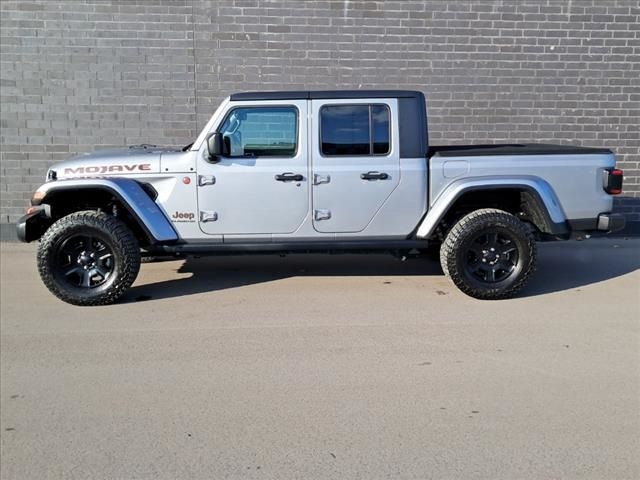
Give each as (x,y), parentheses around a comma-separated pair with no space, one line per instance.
(65,202)
(524,203)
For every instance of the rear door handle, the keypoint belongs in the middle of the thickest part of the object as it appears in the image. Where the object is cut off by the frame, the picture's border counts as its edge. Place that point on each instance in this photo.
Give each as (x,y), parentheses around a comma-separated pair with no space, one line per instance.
(289,177)
(374,176)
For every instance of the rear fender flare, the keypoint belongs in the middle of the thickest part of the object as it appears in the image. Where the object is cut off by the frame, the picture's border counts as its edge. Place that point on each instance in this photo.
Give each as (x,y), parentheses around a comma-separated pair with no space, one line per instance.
(129,193)
(554,219)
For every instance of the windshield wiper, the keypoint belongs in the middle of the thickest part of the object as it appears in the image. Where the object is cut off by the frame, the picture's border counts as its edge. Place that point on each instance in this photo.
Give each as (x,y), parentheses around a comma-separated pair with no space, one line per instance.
(184,149)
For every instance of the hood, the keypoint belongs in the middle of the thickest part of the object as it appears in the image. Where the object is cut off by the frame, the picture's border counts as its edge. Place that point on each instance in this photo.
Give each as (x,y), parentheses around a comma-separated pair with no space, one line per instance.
(138,159)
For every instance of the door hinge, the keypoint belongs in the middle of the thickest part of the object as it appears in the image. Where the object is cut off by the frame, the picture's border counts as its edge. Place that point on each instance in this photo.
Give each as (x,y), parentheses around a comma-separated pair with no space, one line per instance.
(318,179)
(206,180)
(322,214)
(208,216)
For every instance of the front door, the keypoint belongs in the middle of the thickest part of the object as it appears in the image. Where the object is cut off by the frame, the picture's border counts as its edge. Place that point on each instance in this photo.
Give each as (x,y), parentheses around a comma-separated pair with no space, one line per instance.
(355,162)
(260,186)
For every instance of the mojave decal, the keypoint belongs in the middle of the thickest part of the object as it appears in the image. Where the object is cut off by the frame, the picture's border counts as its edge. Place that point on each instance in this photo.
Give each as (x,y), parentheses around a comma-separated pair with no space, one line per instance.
(123,168)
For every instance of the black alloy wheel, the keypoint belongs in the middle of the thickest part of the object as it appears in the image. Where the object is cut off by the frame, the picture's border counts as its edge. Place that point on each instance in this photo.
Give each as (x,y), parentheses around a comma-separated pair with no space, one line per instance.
(492,256)
(84,261)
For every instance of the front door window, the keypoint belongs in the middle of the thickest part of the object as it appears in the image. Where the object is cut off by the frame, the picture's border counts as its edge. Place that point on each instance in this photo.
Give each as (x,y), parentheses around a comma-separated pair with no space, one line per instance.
(261,132)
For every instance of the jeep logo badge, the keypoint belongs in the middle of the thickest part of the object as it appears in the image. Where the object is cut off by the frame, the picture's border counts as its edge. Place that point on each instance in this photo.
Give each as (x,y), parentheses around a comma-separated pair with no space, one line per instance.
(183,217)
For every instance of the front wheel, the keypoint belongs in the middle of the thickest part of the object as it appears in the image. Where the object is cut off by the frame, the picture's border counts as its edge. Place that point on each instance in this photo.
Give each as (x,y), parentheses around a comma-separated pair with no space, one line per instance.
(88,258)
(489,254)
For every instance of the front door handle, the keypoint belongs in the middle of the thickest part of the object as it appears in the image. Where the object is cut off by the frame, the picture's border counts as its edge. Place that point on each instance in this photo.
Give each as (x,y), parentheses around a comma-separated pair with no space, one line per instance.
(289,177)
(374,176)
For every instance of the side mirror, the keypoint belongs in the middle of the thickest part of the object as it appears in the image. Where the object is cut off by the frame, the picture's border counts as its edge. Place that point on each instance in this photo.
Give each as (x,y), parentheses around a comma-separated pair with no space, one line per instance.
(214,147)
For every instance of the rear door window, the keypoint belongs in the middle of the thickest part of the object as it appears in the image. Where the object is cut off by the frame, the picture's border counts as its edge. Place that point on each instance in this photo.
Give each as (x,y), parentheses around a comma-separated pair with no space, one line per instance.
(354,130)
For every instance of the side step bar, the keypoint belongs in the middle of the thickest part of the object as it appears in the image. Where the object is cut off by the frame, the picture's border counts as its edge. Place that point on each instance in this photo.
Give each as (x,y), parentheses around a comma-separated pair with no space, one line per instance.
(289,247)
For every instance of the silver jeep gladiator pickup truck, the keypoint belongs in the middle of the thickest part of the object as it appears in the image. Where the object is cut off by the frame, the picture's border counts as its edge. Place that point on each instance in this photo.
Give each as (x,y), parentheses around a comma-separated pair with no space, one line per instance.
(317,171)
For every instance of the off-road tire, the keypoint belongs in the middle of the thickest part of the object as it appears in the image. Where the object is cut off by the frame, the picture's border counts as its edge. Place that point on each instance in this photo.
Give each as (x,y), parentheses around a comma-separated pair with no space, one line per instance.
(108,232)
(458,254)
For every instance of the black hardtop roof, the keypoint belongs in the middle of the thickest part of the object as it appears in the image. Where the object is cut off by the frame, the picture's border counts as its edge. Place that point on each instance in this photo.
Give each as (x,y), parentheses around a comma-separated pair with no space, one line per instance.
(326,94)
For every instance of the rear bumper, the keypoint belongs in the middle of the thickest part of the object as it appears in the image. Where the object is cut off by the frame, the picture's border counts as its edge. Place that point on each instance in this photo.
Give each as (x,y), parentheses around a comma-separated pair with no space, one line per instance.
(603,223)
(610,222)
(33,224)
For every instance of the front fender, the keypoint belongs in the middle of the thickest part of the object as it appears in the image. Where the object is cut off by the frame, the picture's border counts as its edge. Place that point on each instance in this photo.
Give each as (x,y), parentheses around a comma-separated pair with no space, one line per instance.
(128,192)
(545,197)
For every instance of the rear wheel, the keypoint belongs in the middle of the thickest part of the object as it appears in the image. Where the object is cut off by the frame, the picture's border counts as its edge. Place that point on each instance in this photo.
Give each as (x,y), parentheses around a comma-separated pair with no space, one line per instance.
(489,254)
(88,258)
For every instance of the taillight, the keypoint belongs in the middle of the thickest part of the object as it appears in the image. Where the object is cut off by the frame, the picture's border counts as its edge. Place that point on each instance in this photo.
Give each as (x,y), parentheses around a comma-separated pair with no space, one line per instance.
(613,181)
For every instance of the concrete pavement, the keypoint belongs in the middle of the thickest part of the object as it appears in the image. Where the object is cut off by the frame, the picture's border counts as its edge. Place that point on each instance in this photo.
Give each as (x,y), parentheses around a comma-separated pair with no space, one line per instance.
(328,367)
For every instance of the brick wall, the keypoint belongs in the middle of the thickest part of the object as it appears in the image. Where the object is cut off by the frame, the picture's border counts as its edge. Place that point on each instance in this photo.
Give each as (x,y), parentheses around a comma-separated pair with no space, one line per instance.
(77,76)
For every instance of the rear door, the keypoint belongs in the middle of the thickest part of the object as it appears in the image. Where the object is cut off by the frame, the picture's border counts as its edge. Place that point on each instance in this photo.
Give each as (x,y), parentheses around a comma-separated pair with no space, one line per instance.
(355,161)
(261,187)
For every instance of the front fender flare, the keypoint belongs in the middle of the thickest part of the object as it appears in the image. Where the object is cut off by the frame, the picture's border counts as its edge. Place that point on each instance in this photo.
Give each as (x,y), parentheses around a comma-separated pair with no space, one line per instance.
(542,192)
(130,194)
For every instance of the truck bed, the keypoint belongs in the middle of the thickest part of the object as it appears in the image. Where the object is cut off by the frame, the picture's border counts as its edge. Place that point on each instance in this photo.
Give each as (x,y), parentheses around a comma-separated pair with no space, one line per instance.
(573,174)
(511,149)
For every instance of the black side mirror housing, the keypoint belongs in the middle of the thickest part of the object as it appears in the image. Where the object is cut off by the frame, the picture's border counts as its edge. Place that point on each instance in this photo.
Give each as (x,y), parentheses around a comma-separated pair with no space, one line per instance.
(214,147)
